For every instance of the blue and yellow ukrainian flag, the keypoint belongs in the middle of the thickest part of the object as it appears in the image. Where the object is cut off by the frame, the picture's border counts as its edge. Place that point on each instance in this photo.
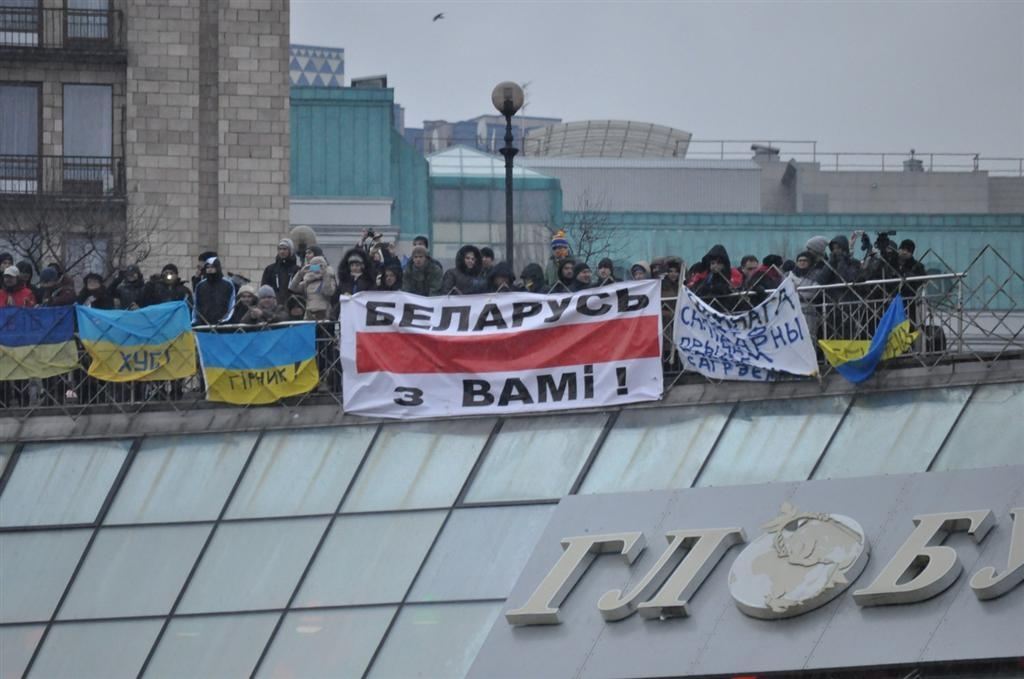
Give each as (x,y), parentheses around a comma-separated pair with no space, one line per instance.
(856,360)
(152,343)
(259,367)
(37,342)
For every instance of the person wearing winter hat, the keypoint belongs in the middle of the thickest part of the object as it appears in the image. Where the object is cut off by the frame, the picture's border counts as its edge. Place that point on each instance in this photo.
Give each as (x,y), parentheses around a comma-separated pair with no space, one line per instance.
(559,251)
(127,288)
(817,246)
(640,271)
(244,300)
(94,294)
(605,272)
(55,289)
(278,274)
(422,274)
(166,287)
(582,277)
(316,283)
(565,275)
(501,278)
(14,292)
(6,261)
(266,310)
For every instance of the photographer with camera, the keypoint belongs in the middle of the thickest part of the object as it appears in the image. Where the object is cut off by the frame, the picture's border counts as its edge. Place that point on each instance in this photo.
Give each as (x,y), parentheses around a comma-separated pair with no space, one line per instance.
(880,259)
(165,287)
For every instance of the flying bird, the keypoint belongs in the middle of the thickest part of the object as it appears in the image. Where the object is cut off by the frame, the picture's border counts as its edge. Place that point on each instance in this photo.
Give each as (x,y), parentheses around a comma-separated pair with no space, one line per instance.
(438,16)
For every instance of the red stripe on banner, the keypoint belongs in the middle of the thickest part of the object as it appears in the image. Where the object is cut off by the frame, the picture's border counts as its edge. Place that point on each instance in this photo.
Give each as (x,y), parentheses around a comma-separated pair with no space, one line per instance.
(619,339)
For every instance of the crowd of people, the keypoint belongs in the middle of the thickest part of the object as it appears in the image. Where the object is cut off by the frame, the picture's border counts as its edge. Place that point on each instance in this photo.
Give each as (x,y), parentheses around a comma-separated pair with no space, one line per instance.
(304,285)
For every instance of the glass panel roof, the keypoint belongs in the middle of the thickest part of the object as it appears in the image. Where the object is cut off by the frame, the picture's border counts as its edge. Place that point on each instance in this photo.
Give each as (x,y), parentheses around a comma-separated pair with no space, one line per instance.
(369,559)
(331,643)
(892,433)
(300,472)
(422,464)
(252,565)
(181,478)
(434,640)
(655,449)
(96,650)
(34,570)
(61,482)
(134,571)
(480,553)
(211,646)
(461,161)
(773,441)
(533,458)
(985,436)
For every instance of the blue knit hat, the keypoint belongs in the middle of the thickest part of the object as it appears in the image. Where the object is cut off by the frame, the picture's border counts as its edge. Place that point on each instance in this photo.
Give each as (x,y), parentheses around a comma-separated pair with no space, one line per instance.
(559,240)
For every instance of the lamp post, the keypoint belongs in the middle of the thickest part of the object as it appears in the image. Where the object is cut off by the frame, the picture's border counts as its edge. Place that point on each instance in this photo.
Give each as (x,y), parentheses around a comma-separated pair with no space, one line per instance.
(508,98)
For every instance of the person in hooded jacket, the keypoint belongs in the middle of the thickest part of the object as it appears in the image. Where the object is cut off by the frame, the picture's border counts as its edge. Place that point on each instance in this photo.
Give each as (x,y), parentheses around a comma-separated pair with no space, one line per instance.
(166,287)
(244,300)
(717,281)
(279,274)
(356,273)
(565,274)
(317,283)
(214,295)
(14,292)
(94,294)
(501,278)
(640,271)
(532,279)
(842,319)
(55,289)
(391,277)
(466,277)
(804,275)
(127,288)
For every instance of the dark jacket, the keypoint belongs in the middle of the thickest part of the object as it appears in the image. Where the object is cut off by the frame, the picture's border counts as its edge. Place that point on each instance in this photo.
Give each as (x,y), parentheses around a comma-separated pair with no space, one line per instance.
(278,275)
(726,282)
(395,266)
(128,293)
(350,286)
(158,290)
(425,281)
(99,298)
(563,283)
(214,298)
(61,294)
(500,269)
(462,280)
(842,267)
(532,279)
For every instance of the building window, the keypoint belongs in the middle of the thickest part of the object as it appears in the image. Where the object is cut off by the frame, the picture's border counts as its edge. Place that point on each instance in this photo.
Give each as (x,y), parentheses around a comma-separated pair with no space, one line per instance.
(88,20)
(19,23)
(19,138)
(88,139)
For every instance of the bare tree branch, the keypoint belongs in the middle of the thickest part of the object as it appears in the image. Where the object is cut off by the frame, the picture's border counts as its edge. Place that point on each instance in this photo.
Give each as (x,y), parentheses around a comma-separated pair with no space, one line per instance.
(591,234)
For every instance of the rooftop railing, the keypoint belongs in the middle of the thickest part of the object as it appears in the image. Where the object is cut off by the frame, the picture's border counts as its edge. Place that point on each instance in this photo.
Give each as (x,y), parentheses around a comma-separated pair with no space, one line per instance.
(961,316)
(36,31)
(71,176)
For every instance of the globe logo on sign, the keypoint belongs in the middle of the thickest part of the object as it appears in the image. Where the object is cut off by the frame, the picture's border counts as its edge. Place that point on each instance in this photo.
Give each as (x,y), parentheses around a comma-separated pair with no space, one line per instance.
(802,561)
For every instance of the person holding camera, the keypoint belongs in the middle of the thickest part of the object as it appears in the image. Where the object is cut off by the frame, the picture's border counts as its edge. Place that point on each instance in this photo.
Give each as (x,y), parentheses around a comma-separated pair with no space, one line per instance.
(165,287)
(315,281)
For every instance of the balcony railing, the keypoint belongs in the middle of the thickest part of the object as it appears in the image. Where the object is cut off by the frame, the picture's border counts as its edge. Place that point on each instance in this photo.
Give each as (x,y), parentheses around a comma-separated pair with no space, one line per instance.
(84,31)
(72,176)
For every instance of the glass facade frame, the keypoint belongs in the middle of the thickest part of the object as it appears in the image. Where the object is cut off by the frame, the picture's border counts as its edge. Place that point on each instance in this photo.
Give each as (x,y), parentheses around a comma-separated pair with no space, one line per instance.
(278,632)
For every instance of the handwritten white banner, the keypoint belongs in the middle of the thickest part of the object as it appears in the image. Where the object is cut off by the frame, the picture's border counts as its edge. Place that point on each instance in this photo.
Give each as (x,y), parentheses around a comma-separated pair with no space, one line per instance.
(756,345)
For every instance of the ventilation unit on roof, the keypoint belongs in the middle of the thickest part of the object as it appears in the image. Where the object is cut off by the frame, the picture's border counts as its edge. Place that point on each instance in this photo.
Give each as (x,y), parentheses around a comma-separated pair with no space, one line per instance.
(371,82)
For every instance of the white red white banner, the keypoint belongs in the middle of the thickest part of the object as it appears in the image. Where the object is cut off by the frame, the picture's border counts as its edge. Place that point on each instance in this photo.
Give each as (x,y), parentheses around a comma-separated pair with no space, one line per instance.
(755,345)
(406,356)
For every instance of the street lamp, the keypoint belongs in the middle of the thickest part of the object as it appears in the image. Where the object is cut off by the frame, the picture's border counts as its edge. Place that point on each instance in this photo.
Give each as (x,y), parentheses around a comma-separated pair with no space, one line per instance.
(508,98)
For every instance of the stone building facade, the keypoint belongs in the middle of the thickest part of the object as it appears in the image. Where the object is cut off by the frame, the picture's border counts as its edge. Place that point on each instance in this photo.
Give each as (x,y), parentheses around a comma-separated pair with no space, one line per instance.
(198,133)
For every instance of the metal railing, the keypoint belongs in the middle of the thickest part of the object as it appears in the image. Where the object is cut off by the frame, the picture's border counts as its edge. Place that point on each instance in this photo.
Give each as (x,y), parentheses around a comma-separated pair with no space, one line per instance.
(960,315)
(98,176)
(80,30)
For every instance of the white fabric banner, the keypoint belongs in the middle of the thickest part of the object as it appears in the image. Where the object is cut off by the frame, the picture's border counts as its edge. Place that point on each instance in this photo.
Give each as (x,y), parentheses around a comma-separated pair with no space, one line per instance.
(406,356)
(756,345)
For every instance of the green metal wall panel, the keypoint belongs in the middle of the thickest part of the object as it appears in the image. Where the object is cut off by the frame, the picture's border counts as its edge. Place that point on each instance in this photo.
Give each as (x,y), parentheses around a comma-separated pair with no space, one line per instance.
(410,179)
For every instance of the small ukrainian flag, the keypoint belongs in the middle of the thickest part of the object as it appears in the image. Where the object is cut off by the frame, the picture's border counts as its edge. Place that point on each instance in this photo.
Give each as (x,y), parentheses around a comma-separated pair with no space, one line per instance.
(856,360)
(153,343)
(259,367)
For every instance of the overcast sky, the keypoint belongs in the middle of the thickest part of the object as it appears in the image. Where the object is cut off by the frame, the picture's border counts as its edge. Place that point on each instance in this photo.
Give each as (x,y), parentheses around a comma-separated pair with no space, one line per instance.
(855,76)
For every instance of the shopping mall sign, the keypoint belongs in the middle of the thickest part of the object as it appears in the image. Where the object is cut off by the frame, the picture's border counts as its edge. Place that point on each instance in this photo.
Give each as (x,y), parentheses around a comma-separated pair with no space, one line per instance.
(897,545)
